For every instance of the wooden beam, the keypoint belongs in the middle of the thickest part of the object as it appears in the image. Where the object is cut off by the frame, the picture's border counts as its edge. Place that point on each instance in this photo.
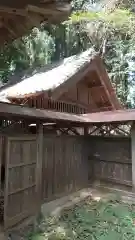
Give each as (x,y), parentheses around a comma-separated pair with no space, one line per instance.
(124,131)
(74,130)
(8,27)
(1,23)
(105,108)
(96,129)
(133,155)
(86,131)
(65,131)
(41,10)
(104,78)
(35,19)
(93,88)
(49,9)
(7,110)
(13,11)
(39,162)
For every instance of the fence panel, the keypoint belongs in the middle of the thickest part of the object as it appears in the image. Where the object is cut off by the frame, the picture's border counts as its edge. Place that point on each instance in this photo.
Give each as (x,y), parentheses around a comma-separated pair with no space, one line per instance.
(111,159)
(64,166)
(21,172)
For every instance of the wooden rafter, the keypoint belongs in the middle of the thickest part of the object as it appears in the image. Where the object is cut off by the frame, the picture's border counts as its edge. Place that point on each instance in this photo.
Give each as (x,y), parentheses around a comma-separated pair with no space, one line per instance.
(74,130)
(69,130)
(13,11)
(94,88)
(29,14)
(94,130)
(120,130)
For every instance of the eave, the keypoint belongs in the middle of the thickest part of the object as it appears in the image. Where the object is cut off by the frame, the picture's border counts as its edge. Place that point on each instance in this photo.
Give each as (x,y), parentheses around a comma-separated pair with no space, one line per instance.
(17,18)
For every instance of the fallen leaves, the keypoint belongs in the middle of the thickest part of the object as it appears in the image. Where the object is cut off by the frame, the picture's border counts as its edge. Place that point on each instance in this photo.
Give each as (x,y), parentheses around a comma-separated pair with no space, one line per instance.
(93,221)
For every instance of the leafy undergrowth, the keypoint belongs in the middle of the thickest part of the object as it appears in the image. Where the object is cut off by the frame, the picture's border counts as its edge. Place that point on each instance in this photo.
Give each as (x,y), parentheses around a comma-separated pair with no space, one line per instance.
(92,220)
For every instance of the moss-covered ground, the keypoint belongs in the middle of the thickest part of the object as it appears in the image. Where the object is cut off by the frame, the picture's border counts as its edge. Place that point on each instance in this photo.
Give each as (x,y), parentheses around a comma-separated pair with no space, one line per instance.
(90,220)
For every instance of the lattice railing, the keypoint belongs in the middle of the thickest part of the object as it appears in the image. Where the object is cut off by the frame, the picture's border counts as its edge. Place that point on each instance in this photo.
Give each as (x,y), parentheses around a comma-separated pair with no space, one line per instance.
(60,106)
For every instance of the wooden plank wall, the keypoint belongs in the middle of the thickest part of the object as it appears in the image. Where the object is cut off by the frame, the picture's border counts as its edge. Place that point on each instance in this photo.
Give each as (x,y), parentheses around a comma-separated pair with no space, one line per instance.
(110,159)
(65,166)
(21,179)
(69,163)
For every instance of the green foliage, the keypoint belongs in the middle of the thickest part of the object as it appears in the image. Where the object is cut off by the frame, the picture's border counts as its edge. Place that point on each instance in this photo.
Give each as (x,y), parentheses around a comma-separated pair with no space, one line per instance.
(119,20)
(114,4)
(93,220)
(119,17)
(30,51)
(113,36)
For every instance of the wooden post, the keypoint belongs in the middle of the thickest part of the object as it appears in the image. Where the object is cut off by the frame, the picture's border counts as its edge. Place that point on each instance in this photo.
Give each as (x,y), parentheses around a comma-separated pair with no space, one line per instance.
(39,160)
(133,154)
(86,131)
(3,236)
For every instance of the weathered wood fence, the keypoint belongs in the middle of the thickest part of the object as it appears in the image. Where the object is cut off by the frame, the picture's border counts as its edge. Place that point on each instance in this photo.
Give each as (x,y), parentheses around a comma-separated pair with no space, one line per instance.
(65,165)
(110,159)
(21,196)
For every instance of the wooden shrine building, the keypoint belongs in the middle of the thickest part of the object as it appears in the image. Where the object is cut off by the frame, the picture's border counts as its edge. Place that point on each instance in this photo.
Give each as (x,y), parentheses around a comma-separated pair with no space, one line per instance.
(44,167)
(74,93)
(78,84)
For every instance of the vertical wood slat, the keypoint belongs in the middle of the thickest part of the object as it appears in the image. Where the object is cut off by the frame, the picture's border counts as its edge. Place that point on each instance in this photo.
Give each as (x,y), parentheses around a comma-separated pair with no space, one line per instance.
(39,160)
(49,106)
(6,183)
(21,183)
(63,166)
(64,109)
(2,153)
(45,103)
(111,159)
(39,102)
(44,167)
(54,105)
(133,154)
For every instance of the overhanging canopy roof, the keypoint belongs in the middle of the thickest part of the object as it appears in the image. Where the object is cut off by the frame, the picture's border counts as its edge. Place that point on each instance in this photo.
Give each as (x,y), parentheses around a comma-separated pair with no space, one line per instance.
(118,116)
(10,110)
(17,17)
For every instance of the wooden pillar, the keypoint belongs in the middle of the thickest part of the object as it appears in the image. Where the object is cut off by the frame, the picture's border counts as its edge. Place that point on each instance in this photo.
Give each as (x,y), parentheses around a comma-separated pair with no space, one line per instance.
(133,154)
(3,236)
(39,159)
(86,130)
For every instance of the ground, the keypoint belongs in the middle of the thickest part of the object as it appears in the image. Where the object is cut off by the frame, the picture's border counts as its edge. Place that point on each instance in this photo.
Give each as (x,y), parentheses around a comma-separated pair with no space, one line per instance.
(109,219)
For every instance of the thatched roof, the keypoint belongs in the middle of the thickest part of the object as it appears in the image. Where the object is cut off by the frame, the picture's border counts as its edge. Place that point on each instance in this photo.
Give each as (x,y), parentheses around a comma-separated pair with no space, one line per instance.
(56,79)
(47,78)
(17,17)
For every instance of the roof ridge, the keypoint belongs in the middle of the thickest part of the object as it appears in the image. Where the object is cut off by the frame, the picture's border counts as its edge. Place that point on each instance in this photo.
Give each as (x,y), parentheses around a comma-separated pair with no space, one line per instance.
(24,74)
(55,74)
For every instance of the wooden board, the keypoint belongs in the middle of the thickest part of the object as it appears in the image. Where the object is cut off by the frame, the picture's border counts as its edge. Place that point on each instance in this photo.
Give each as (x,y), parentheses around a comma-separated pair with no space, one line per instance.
(28,14)
(21,192)
(64,168)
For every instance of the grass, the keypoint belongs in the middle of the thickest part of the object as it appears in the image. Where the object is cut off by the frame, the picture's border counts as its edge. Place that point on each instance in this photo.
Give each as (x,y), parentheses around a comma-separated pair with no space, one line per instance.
(92,220)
